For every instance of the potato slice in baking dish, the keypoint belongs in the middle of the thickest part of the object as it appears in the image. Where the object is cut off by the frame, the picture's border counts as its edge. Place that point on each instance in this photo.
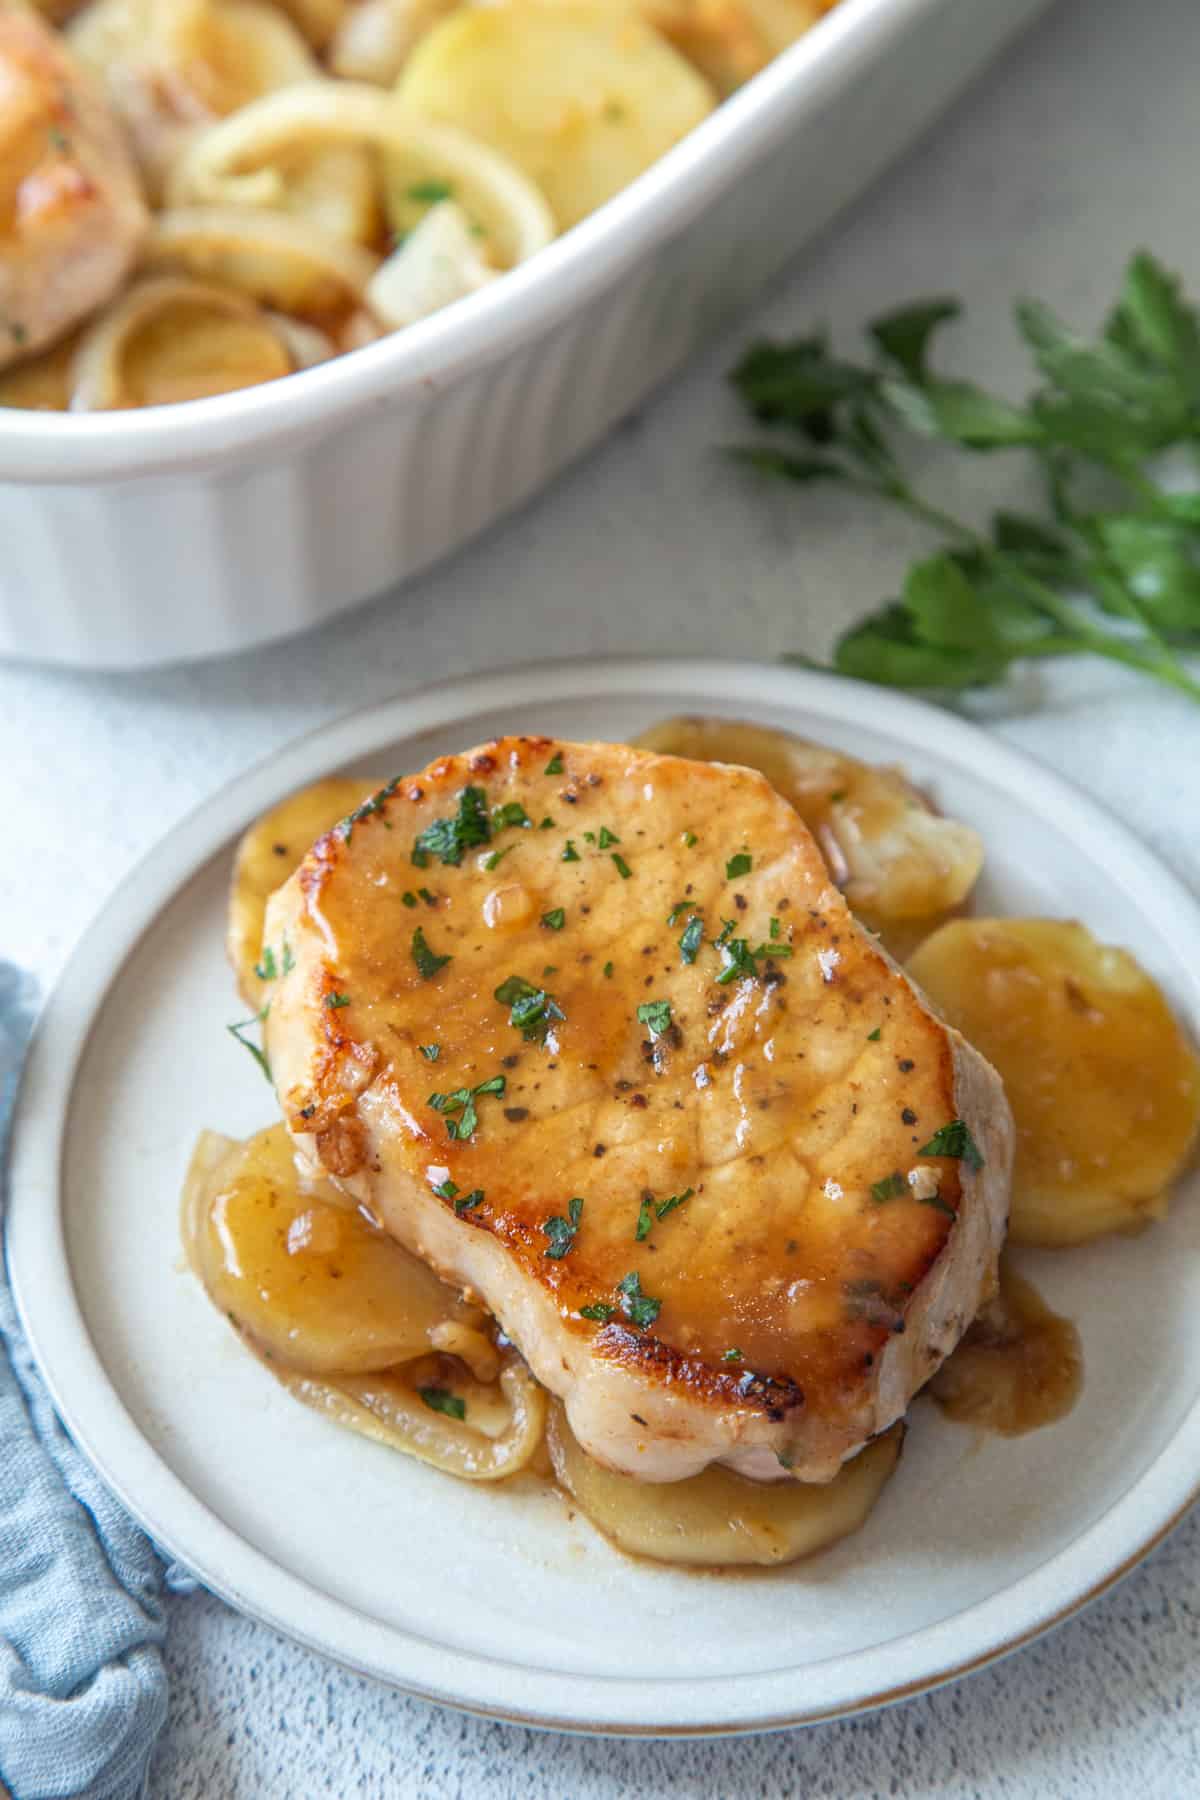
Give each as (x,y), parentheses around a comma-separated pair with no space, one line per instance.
(269,851)
(900,864)
(579,98)
(1104,1087)
(719,1519)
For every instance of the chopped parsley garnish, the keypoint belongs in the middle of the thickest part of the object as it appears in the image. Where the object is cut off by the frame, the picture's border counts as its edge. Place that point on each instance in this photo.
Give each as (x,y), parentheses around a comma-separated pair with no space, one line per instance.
(773,930)
(680,906)
(555,765)
(731,1355)
(446,1189)
(562,1232)
(938,1205)
(606,839)
(668,1206)
(739,959)
(492,860)
(622,867)
(555,919)
(533,1009)
(873,1037)
(954,1140)
(690,840)
(601,1313)
(448,839)
(408,898)
(890,1188)
(427,897)
(741,864)
(510,813)
(651,1210)
(547,824)
(373,804)
(608,969)
(589,837)
(260,1056)
(656,1015)
(693,937)
(269,967)
(334,1001)
(468,1201)
(837,796)
(430,192)
(427,962)
(640,1309)
(462,1102)
(570,853)
(441,1400)
(430,1052)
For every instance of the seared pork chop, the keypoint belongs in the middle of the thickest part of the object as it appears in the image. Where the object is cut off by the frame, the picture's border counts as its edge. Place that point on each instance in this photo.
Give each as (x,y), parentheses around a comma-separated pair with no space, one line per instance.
(593,1032)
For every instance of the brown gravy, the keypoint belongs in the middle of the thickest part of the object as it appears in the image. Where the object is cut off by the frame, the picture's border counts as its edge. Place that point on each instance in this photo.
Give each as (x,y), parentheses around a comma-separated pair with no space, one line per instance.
(1019,1367)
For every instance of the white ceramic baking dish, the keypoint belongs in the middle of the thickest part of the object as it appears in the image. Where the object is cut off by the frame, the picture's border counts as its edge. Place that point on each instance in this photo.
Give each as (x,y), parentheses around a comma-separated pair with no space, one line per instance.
(128,539)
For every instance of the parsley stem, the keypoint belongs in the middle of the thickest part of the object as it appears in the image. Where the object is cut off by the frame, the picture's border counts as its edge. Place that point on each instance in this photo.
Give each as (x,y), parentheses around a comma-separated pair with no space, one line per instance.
(1079,634)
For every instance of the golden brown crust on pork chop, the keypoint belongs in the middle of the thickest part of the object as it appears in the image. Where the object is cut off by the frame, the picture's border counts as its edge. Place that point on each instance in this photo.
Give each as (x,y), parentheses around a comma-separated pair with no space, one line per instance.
(814,1266)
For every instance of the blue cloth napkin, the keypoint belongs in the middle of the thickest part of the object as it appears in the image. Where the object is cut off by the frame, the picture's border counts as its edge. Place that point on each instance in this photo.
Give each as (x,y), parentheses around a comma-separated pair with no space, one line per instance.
(83,1690)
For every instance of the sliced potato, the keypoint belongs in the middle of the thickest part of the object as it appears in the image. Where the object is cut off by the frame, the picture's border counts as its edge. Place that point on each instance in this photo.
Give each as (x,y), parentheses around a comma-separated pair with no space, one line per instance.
(719,1519)
(268,852)
(581,101)
(499,1435)
(299,1271)
(1019,1367)
(1104,1087)
(901,866)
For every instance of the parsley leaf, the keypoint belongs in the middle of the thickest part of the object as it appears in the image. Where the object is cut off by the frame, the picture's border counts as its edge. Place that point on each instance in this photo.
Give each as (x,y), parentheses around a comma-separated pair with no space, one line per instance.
(606,839)
(622,867)
(533,1010)
(430,1052)
(598,1311)
(1107,407)
(373,804)
(259,1055)
(266,970)
(462,1102)
(570,853)
(954,1140)
(656,1015)
(334,1001)
(510,813)
(427,962)
(448,839)
(408,898)
(874,1036)
(441,1400)
(430,192)
(668,1206)
(555,919)
(693,937)
(608,969)
(640,1309)
(468,1201)
(562,1232)
(890,1188)
(446,1189)
(555,765)
(741,864)
(645,1218)
(731,1355)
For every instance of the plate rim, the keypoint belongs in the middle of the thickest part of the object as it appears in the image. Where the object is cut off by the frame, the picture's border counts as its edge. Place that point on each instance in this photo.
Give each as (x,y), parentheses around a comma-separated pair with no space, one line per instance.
(248,1578)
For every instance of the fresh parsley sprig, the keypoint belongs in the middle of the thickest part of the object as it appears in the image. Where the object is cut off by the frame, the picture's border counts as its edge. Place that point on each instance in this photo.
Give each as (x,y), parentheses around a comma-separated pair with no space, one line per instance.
(1113,568)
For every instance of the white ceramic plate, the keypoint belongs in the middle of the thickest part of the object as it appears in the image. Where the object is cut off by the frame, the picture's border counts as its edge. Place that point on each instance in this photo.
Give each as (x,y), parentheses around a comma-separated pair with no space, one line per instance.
(497,1601)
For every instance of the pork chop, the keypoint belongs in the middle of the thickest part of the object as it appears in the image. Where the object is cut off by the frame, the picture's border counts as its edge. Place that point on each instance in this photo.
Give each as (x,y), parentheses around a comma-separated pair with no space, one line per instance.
(592,1031)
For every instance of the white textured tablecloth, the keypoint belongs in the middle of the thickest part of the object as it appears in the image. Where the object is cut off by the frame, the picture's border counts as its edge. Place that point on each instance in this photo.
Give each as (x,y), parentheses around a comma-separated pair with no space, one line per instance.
(1082,144)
